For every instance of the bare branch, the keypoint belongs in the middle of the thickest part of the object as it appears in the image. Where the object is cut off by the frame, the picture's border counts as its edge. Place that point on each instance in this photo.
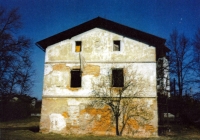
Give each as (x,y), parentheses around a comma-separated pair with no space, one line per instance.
(121,99)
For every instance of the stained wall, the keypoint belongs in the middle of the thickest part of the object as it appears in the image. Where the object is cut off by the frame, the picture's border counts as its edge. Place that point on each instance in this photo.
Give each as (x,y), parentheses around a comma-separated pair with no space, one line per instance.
(67,110)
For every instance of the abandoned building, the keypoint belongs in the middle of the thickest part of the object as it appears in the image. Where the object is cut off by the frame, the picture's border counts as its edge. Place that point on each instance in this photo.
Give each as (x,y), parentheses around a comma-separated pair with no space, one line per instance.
(79,58)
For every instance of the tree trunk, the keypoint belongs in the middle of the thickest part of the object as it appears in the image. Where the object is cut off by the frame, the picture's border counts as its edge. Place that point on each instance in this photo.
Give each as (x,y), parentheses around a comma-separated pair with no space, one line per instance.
(117,124)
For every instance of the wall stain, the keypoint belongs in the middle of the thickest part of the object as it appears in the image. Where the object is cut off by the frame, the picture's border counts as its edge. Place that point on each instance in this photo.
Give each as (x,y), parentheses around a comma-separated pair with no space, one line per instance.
(60,67)
(91,70)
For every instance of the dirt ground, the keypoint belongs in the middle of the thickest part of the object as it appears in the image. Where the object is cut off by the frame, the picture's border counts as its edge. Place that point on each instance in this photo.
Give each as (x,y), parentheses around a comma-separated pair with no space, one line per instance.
(29,129)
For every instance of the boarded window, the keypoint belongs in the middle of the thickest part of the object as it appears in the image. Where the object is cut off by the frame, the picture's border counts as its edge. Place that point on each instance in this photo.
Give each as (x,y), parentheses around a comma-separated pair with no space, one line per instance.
(76,78)
(117,78)
(116,45)
(78,46)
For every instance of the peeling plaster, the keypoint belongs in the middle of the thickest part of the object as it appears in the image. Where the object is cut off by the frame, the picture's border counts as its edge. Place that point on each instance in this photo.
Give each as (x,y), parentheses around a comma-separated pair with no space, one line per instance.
(48,68)
(66,109)
(73,102)
(57,122)
(57,81)
(97,45)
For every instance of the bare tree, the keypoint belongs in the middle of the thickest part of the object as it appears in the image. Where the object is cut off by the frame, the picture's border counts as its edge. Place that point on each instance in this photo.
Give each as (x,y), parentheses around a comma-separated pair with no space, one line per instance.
(196,43)
(16,66)
(120,100)
(180,60)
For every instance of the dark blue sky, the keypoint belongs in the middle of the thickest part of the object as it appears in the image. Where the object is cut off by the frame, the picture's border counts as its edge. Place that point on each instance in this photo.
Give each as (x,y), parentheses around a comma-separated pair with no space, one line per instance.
(44,18)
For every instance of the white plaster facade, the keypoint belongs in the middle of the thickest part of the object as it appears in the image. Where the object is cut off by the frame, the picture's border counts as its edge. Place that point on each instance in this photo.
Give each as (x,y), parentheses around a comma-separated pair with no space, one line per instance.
(136,55)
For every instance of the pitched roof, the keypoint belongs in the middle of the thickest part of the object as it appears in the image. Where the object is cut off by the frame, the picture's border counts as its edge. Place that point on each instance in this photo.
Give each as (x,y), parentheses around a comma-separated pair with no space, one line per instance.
(108,25)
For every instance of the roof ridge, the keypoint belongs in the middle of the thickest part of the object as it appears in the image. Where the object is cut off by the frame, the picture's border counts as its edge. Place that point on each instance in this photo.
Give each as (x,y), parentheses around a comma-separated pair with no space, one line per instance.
(105,24)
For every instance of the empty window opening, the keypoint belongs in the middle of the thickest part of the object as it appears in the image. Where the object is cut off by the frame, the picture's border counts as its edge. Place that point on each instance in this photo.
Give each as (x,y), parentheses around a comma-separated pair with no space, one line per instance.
(76,78)
(116,45)
(117,78)
(78,46)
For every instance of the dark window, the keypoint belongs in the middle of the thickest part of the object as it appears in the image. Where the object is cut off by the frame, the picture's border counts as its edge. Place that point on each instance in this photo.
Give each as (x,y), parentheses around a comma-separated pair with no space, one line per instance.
(116,45)
(76,78)
(117,78)
(78,46)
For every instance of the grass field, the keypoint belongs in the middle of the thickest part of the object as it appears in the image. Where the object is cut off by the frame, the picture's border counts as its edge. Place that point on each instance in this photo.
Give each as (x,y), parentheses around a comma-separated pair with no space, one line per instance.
(27,129)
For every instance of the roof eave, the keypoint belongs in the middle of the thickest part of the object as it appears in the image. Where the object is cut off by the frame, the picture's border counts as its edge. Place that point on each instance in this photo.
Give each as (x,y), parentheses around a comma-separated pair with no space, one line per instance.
(106,25)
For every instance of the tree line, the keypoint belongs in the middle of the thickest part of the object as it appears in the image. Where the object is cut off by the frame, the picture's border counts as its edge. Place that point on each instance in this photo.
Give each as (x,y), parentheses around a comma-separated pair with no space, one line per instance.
(16,69)
(16,66)
(184,62)
(184,69)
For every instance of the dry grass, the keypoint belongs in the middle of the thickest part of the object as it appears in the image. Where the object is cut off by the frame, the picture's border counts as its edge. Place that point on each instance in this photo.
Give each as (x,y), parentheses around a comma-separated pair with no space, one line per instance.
(29,122)
(28,129)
